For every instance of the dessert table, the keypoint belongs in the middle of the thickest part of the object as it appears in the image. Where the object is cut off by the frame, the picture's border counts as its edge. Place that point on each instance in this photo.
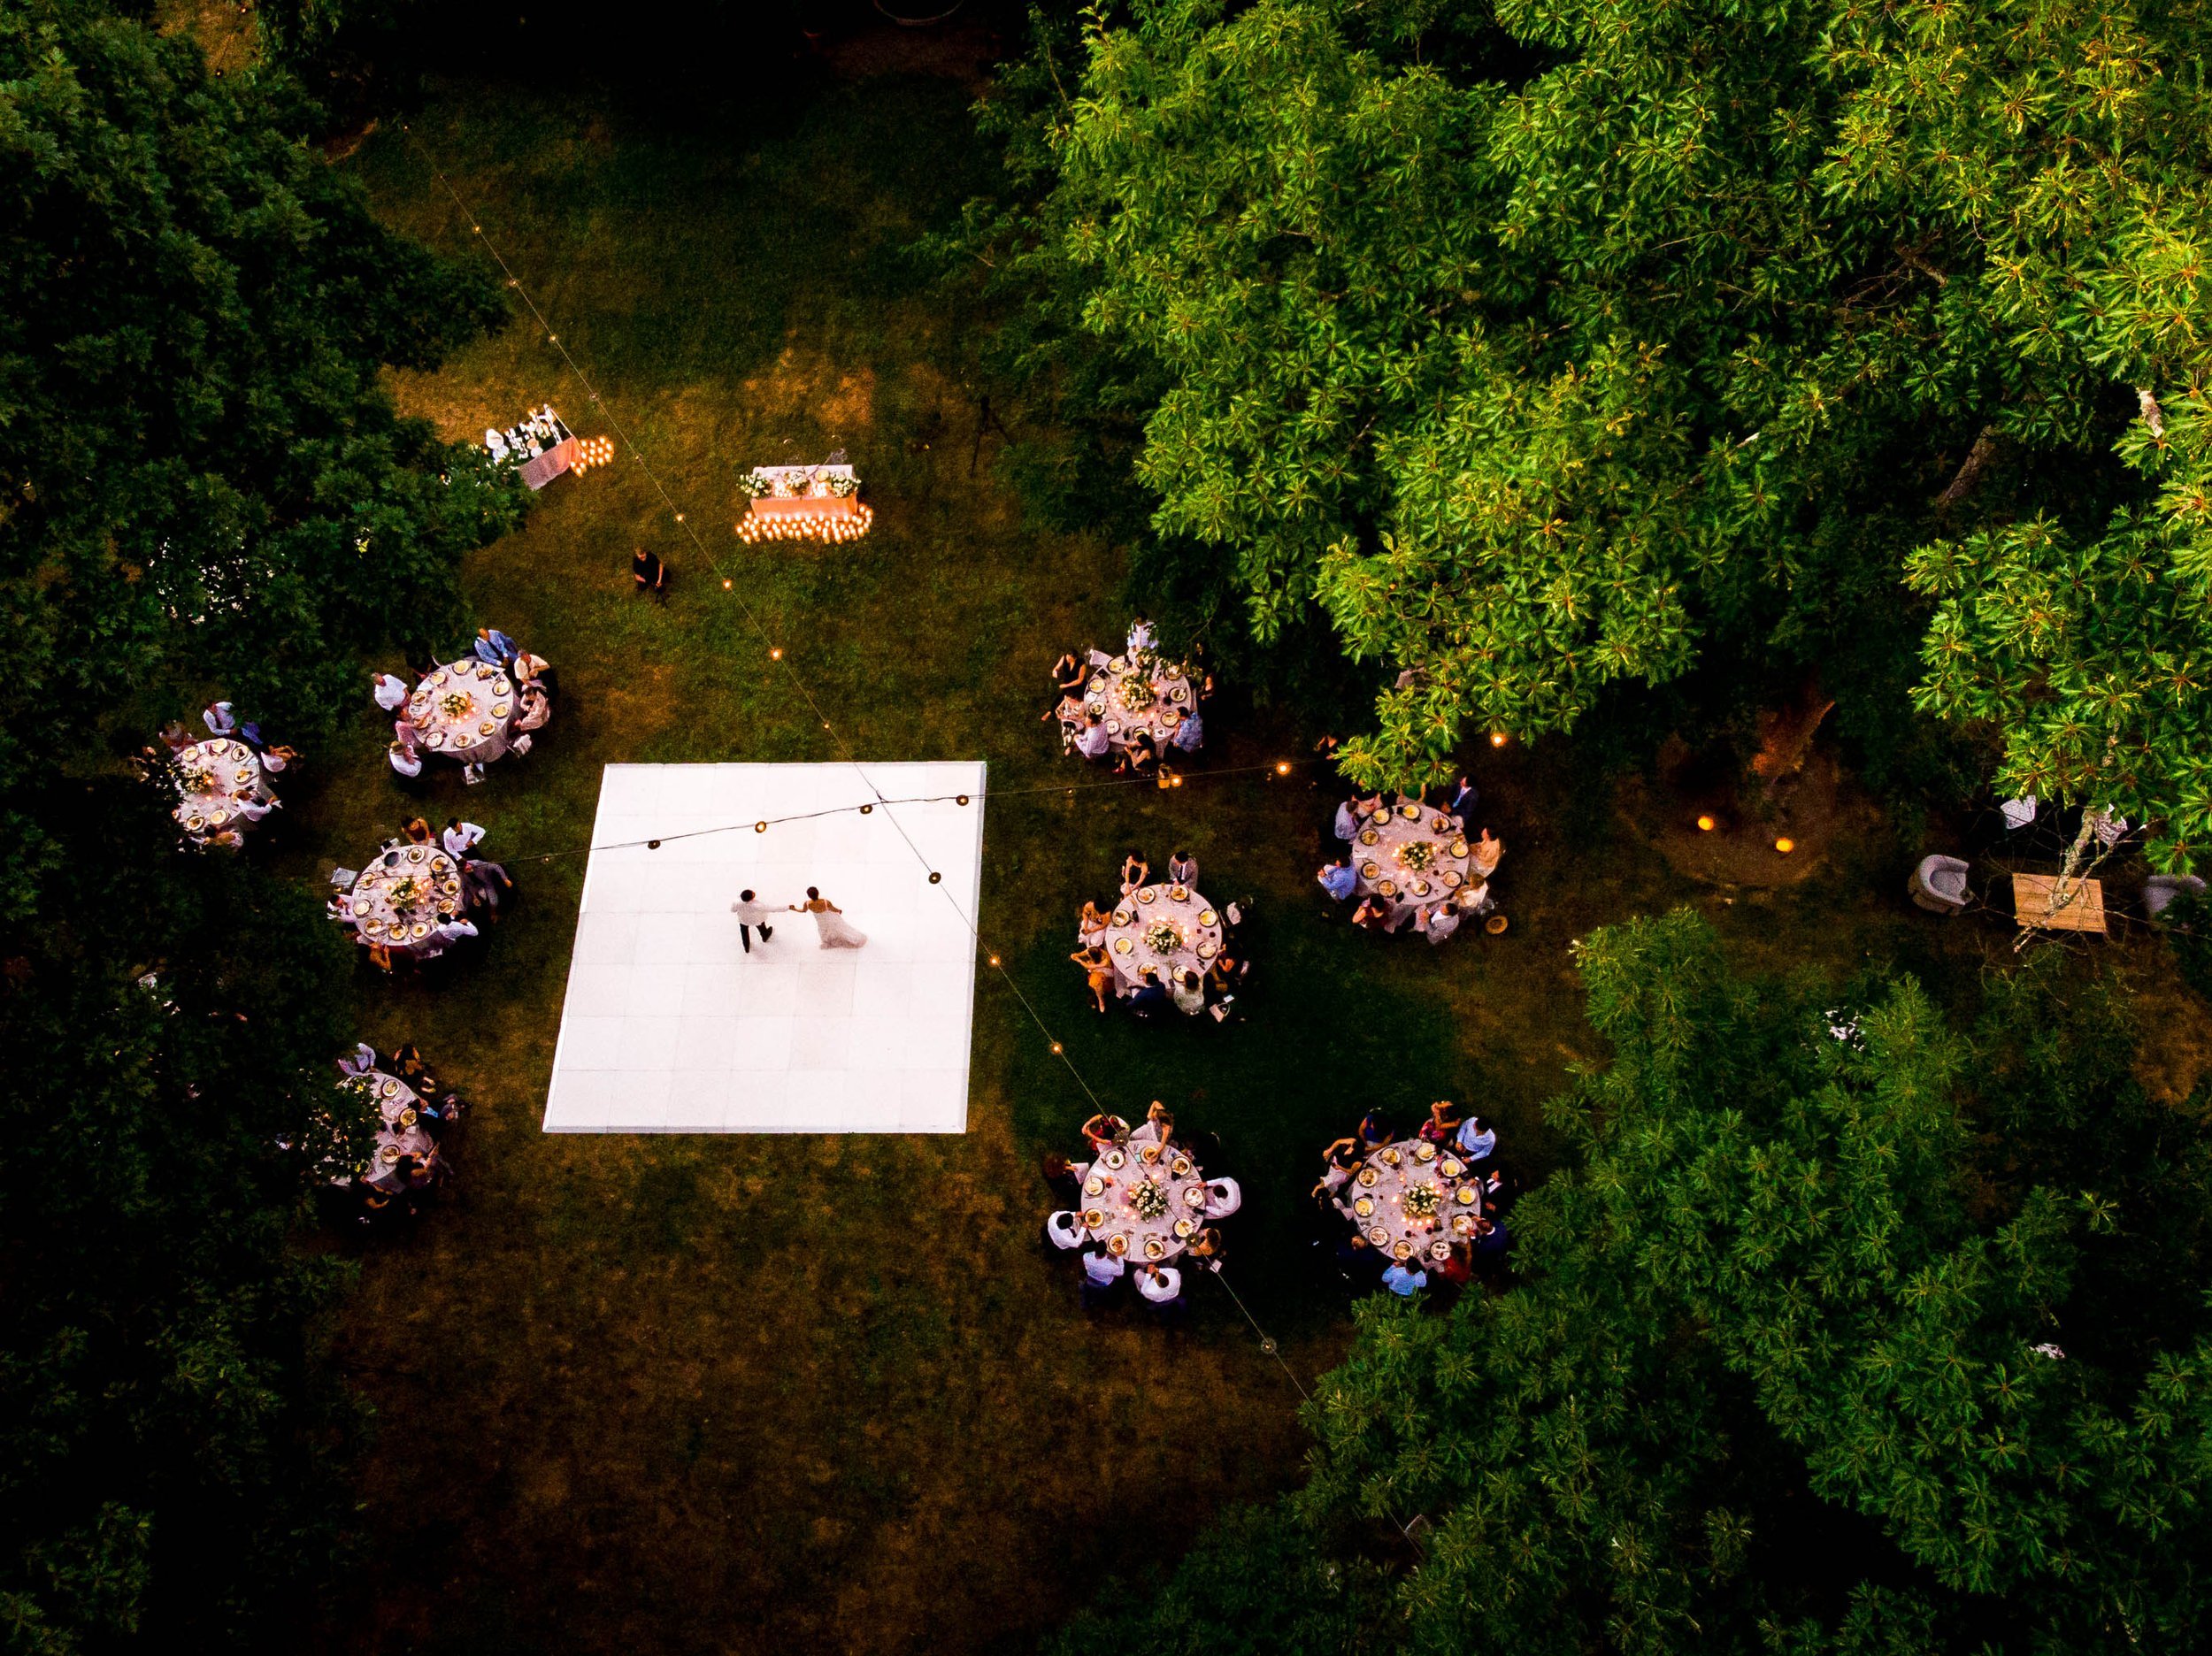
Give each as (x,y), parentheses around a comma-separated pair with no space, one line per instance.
(1143,1203)
(1136,694)
(1413,1198)
(213,779)
(466,711)
(1410,855)
(818,502)
(1152,915)
(399,898)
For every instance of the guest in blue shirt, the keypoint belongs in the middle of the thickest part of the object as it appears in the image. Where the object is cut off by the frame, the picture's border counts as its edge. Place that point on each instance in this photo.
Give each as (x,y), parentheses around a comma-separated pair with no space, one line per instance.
(1151,996)
(1339,880)
(1347,820)
(1404,1279)
(1189,732)
(1463,799)
(1476,1139)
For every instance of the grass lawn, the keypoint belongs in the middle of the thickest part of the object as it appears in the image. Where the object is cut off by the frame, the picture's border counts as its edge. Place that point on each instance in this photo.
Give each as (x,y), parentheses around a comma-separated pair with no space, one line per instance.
(778,1394)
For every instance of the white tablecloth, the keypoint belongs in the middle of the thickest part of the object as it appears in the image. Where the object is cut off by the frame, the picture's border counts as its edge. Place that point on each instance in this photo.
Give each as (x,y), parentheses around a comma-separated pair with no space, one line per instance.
(466,711)
(212,778)
(1196,923)
(1134,696)
(1386,866)
(398,900)
(1115,1214)
(1400,1227)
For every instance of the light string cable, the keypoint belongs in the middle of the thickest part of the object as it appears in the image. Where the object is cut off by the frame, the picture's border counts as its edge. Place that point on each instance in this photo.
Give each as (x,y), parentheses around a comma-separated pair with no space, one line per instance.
(777,655)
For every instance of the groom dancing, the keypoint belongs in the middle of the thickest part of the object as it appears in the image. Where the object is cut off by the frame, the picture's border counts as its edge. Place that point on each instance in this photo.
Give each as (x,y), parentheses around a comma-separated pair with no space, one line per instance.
(750,914)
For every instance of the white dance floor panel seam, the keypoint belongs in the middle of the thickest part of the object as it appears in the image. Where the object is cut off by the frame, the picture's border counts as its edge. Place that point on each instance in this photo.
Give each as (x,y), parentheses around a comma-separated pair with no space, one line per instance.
(669,1026)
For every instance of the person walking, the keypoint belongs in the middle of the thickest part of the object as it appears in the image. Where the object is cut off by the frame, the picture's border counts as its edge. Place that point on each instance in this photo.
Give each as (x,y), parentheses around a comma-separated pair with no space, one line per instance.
(829,920)
(751,913)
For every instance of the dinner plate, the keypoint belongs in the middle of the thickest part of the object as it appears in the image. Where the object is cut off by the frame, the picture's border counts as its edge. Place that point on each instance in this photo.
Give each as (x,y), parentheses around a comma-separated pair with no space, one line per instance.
(1392,1156)
(1123,916)
(1442,824)
(1194,1197)
(1451,878)
(1183,1228)
(1154,1247)
(1425,1151)
(1449,1167)
(1363,1207)
(1368,836)
(1096,710)
(1440,1251)
(415,854)
(1207,949)
(1117,1246)
(1462,1224)
(1368,1176)
(1092,1218)
(1207,917)
(388,1088)
(1466,1196)
(1175,693)
(390,1153)
(1179,1167)
(1113,727)
(1116,1160)
(1178,893)
(1411,813)
(499,710)
(1401,1250)
(1370,870)
(1120,663)
(484,729)
(1122,945)
(1147,894)
(1094,1184)
(1150,1153)
(1379,1235)
(1389,888)
(1459,848)
(1420,888)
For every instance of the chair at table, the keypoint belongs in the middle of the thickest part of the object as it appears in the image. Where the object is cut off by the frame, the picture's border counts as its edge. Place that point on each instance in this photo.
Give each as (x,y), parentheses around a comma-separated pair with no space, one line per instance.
(1938,884)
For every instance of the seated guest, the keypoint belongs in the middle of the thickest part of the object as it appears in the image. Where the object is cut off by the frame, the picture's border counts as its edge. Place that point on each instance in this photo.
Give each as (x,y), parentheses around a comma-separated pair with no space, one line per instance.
(1070,674)
(1223,1197)
(1374,1131)
(647,573)
(1463,799)
(1140,635)
(1100,967)
(390,692)
(1347,819)
(1158,1126)
(1090,925)
(1182,868)
(1476,1140)
(1162,1286)
(533,708)
(1065,1229)
(1143,757)
(1205,1248)
(1371,914)
(1458,1270)
(495,648)
(1135,871)
(1405,1278)
(407,1064)
(339,907)
(1093,741)
(1483,856)
(452,929)
(1062,1177)
(1102,1272)
(218,718)
(1490,1239)
(1188,993)
(1439,921)
(1339,878)
(1476,899)
(1186,730)
(1225,973)
(1150,995)
(254,810)
(1105,1132)
(279,756)
(1443,1122)
(359,1061)
(417,831)
(1342,1160)
(1373,803)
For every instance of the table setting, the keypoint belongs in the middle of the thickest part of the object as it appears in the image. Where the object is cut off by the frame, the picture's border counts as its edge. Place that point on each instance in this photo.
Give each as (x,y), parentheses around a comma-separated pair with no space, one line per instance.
(1133,693)
(214,778)
(1143,1202)
(1169,926)
(1410,855)
(398,900)
(466,709)
(399,1131)
(1412,1199)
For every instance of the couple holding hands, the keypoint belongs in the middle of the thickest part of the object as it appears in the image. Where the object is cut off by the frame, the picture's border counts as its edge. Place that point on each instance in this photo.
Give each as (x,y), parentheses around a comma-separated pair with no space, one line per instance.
(829,920)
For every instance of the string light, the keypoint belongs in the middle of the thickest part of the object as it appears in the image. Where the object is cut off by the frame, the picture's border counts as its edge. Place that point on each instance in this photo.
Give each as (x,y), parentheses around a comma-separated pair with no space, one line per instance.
(994,960)
(1497,739)
(1785,845)
(776,652)
(1705,824)
(1282,767)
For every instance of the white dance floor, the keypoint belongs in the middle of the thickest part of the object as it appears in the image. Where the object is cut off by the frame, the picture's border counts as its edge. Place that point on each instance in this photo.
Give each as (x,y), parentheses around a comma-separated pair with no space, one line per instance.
(669,1026)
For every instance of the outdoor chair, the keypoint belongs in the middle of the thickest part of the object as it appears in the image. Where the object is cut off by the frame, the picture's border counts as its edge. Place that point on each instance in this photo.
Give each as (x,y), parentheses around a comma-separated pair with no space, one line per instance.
(1938,884)
(2160,890)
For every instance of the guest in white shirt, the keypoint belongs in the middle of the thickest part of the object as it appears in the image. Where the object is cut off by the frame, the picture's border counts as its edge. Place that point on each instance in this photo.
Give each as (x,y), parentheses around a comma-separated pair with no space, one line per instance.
(1347,820)
(459,837)
(1189,993)
(1092,741)
(751,913)
(1440,922)
(1223,1197)
(254,810)
(405,760)
(1161,1284)
(218,718)
(1141,636)
(1066,1228)
(1102,1273)
(1485,854)
(389,692)
(454,930)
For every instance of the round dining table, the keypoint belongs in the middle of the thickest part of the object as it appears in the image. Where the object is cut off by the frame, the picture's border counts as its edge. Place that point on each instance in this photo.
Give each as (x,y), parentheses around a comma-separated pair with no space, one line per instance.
(1143,1202)
(1173,927)
(398,900)
(1411,857)
(1413,1198)
(214,778)
(466,711)
(399,1130)
(1138,694)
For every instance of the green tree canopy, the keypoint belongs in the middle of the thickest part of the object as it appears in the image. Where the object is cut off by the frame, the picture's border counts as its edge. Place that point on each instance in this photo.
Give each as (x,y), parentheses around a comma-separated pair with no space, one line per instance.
(1544,351)
(1847,1331)
(204,490)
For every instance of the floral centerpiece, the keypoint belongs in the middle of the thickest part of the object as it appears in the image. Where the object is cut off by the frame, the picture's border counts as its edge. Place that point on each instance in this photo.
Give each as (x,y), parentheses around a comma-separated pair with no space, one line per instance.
(404,894)
(1137,691)
(758,484)
(843,487)
(191,779)
(1420,1201)
(1416,854)
(455,704)
(1147,1200)
(1162,938)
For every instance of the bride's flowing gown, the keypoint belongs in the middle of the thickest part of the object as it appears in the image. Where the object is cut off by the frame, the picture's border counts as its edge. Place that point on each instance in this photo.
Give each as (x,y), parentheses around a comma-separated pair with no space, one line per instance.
(836,931)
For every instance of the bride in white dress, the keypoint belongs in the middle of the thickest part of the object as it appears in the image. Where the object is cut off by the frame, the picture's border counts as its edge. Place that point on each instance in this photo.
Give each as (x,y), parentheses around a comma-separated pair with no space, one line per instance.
(829,920)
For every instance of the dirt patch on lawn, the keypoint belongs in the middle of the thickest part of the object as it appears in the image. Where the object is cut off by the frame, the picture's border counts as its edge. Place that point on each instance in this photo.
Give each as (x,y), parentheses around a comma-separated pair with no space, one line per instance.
(1711,827)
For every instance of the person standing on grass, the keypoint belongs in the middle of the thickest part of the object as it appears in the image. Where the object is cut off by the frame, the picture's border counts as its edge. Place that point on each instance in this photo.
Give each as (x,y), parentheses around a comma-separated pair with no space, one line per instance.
(750,913)
(647,573)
